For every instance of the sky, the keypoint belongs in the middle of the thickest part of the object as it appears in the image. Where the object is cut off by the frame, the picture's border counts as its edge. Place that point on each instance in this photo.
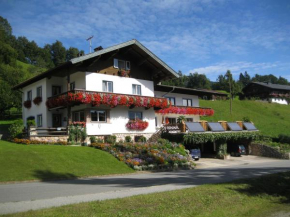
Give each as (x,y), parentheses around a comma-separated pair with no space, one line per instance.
(204,36)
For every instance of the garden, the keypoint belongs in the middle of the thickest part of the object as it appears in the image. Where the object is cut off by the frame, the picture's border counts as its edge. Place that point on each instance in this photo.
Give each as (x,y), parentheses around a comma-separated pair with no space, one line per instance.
(162,155)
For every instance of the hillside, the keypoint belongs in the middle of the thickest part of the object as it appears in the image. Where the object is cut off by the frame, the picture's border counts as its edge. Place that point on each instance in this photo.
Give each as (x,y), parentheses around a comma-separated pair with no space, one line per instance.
(270,118)
(44,162)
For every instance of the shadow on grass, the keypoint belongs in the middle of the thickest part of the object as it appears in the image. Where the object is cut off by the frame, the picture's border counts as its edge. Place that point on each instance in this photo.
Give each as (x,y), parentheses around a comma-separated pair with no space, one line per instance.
(277,185)
(46,175)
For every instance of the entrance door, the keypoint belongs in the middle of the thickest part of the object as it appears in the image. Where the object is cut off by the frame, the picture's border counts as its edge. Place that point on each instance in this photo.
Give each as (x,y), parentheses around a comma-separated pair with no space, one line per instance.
(56,120)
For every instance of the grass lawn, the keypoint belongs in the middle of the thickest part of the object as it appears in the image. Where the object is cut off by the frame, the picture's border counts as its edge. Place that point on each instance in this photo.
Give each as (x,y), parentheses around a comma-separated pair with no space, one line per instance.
(270,118)
(43,162)
(263,196)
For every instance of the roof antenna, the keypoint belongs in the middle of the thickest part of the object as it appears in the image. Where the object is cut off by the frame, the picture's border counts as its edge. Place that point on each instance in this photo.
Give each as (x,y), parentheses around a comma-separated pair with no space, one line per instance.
(90,40)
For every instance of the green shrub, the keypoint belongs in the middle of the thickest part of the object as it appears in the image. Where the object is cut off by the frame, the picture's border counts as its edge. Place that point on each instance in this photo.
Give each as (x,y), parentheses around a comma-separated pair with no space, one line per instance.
(77,134)
(128,139)
(30,123)
(163,141)
(142,139)
(110,139)
(15,130)
(93,139)
(246,119)
(284,139)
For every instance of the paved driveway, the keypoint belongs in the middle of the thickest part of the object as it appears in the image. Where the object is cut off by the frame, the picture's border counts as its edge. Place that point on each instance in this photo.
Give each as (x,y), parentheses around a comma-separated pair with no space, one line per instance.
(36,195)
(233,161)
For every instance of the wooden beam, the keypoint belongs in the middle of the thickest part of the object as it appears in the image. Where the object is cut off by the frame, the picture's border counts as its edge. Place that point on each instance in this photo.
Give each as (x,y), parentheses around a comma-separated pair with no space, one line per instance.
(114,54)
(96,60)
(143,61)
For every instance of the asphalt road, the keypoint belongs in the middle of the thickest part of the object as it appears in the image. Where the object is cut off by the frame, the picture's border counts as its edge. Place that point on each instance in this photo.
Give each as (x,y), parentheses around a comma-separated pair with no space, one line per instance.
(36,195)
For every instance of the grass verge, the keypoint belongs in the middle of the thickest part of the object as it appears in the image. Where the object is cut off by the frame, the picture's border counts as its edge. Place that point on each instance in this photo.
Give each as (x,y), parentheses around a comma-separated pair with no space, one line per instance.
(271,119)
(44,162)
(264,196)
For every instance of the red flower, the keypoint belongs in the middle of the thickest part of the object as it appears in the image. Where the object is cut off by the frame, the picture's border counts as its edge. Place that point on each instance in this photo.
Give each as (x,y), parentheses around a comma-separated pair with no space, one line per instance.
(137,125)
(27,104)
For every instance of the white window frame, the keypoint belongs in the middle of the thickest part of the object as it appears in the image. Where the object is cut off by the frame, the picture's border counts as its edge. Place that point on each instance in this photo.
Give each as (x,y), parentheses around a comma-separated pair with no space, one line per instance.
(187,100)
(127,64)
(134,112)
(105,86)
(37,93)
(135,89)
(170,98)
(98,116)
(39,121)
(29,95)
(79,116)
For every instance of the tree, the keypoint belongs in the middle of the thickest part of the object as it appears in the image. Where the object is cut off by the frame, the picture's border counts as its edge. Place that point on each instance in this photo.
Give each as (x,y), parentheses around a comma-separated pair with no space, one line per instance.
(58,53)
(230,80)
(71,53)
(198,81)
(244,79)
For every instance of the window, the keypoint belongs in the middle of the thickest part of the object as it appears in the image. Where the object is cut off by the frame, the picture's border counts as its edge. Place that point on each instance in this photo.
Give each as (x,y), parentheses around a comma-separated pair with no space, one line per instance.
(39,120)
(189,119)
(171,99)
(172,120)
(79,116)
(72,85)
(187,102)
(56,90)
(136,89)
(122,64)
(98,116)
(29,95)
(39,91)
(135,115)
(108,86)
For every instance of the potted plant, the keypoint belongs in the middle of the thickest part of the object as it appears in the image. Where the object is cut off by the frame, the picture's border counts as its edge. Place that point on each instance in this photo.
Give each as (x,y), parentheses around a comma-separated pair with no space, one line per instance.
(222,152)
(181,123)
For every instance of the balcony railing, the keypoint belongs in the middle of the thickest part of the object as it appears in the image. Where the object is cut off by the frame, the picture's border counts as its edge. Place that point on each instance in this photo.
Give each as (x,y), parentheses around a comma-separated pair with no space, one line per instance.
(77,97)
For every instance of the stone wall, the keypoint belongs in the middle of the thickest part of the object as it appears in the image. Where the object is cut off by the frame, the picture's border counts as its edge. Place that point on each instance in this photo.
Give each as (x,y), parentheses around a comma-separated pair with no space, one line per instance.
(49,139)
(267,151)
(121,136)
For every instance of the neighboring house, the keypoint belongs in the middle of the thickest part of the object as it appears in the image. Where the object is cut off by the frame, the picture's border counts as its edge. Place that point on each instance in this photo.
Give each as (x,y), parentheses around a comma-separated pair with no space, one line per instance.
(275,93)
(109,89)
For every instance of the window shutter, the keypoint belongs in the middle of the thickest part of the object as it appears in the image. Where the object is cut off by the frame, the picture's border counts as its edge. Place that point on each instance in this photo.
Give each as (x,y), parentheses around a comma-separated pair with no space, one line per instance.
(128,65)
(116,63)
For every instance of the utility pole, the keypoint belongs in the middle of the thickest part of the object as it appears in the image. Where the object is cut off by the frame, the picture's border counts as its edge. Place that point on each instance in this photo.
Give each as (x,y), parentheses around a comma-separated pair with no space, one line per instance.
(90,40)
(229,75)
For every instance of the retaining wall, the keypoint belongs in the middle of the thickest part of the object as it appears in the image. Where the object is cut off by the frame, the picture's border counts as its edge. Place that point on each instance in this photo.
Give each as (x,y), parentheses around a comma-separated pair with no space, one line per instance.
(267,151)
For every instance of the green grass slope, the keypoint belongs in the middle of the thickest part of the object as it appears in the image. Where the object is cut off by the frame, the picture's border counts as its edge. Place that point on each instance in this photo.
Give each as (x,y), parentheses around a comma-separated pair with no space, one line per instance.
(270,118)
(44,162)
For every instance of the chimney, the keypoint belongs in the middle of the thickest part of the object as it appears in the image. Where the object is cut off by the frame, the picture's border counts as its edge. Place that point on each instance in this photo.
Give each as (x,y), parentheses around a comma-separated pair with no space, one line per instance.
(98,48)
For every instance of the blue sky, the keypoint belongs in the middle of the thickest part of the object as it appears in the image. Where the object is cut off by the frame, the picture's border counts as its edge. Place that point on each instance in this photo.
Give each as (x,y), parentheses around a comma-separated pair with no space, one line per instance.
(205,36)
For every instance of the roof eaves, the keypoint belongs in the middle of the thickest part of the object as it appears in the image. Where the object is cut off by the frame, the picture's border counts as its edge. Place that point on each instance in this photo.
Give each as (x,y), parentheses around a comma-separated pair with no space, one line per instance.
(122,45)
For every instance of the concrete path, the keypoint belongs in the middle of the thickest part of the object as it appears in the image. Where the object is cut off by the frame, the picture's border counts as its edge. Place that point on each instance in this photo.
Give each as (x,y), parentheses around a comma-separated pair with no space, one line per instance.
(36,195)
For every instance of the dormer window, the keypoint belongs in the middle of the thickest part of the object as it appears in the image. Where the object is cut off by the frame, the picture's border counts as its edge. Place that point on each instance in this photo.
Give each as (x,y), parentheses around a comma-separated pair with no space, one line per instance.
(122,64)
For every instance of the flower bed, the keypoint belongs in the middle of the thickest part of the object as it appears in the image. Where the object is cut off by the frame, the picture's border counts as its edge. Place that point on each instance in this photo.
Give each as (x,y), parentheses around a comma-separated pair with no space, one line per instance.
(37,100)
(137,125)
(27,104)
(30,142)
(112,100)
(148,156)
(186,111)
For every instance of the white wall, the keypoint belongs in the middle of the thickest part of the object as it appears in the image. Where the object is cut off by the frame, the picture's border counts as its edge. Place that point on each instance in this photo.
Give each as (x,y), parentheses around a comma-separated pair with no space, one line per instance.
(35,109)
(179,97)
(122,85)
(119,119)
(279,101)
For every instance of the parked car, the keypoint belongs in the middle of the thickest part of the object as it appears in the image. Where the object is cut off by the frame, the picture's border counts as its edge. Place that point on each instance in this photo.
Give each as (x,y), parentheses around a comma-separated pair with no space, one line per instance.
(195,153)
(236,150)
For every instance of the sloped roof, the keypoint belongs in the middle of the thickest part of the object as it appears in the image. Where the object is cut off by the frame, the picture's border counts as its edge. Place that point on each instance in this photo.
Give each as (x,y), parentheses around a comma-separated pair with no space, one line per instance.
(81,59)
(184,90)
(270,85)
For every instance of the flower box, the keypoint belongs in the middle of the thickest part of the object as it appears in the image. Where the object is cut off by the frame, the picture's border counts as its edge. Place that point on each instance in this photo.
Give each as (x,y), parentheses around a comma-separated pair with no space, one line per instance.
(37,100)
(124,73)
(137,125)
(27,104)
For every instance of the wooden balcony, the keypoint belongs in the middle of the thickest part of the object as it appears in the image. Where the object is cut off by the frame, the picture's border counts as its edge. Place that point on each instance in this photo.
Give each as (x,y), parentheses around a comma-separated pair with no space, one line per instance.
(78,96)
